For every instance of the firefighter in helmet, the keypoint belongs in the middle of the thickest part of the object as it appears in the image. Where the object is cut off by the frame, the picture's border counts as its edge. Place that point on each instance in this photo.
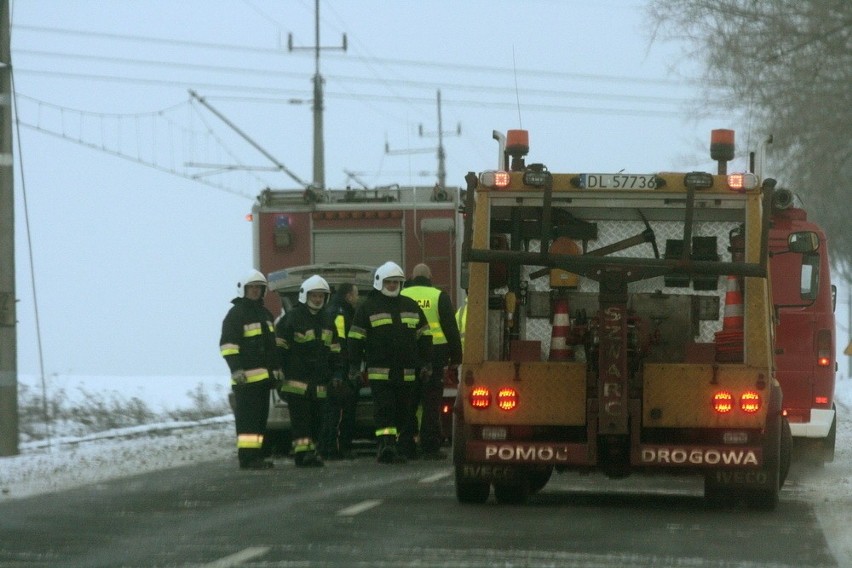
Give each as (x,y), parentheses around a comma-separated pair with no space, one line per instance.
(248,346)
(310,351)
(390,335)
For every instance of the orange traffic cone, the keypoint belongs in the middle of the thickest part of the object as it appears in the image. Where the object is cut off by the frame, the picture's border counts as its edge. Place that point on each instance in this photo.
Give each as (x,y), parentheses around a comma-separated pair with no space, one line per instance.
(729,341)
(559,350)
(733,318)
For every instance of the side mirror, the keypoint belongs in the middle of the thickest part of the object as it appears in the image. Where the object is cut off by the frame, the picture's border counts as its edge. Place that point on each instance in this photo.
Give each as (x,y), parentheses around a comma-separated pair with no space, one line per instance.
(803,241)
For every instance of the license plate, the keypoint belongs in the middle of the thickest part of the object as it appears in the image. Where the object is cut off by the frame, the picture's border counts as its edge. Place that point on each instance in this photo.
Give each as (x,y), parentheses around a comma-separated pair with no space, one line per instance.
(618,181)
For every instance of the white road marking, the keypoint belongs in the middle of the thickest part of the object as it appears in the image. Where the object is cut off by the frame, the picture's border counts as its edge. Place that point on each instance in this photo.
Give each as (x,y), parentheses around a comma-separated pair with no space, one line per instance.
(436,477)
(358,508)
(238,558)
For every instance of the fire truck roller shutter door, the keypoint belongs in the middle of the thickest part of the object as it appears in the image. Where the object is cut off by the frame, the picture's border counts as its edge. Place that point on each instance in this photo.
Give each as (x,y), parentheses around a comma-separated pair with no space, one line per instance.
(358,247)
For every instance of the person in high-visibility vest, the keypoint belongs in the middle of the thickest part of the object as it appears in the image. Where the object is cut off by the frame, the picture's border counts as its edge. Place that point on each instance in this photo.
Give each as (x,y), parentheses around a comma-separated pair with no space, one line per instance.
(446,351)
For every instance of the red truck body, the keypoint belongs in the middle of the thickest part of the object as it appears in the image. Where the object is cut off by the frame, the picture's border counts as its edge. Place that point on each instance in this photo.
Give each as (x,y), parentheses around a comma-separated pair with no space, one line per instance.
(805,334)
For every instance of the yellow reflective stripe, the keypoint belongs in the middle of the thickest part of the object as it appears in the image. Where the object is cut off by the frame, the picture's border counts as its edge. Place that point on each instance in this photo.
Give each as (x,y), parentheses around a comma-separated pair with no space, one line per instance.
(303,445)
(252,329)
(229,349)
(295,387)
(280,342)
(391,431)
(383,318)
(250,441)
(340,324)
(322,392)
(408,375)
(357,333)
(304,337)
(378,373)
(327,336)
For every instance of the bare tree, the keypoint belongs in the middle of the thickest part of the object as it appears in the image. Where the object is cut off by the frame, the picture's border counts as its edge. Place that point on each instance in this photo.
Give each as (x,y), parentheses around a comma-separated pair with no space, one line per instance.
(785,66)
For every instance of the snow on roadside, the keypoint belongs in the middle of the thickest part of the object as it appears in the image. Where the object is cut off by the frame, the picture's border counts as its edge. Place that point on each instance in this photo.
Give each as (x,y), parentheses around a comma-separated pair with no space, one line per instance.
(75,461)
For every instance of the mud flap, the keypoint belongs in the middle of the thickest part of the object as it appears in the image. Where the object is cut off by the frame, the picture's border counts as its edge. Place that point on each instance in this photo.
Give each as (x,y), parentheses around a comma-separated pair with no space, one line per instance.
(759,488)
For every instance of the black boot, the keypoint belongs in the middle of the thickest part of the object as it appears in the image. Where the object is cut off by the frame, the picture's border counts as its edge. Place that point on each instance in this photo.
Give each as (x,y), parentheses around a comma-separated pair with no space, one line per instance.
(308,459)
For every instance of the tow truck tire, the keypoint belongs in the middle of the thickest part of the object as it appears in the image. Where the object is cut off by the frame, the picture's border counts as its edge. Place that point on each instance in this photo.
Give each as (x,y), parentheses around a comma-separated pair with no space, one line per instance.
(470,491)
(515,493)
(538,478)
(766,499)
(786,451)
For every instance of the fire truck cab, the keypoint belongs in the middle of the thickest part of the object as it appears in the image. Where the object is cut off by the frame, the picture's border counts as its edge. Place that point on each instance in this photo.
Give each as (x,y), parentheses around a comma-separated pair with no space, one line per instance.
(619,323)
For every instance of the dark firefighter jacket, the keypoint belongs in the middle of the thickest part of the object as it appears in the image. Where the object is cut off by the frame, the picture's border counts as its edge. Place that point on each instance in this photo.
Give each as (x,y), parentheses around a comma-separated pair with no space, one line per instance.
(248,340)
(438,307)
(391,335)
(310,351)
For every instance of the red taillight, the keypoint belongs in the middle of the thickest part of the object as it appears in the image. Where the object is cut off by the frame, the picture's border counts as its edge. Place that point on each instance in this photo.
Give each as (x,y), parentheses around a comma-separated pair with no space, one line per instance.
(823,344)
(723,402)
(750,402)
(480,397)
(507,398)
(821,400)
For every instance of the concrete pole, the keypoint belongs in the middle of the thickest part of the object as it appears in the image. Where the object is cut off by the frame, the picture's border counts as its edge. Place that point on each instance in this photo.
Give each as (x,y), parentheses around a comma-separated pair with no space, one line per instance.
(8,318)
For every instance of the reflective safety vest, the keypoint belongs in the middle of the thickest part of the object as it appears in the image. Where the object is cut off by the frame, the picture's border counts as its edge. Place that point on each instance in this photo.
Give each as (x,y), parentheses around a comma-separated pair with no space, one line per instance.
(461,321)
(427,298)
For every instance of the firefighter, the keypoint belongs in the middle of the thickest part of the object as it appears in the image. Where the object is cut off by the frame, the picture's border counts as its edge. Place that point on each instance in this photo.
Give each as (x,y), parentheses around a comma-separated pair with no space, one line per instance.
(339,421)
(309,350)
(390,334)
(248,346)
(446,352)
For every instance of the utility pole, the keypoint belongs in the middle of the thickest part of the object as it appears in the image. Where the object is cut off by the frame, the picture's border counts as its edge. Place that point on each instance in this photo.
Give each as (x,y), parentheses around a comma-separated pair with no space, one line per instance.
(8,318)
(442,156)
(319,143)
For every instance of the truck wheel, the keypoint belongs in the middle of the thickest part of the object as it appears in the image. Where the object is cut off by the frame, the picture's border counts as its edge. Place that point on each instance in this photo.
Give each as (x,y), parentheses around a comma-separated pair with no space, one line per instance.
(512,493)
(786,451)
(470,491)
(830,440)
(766,498)
(539,477)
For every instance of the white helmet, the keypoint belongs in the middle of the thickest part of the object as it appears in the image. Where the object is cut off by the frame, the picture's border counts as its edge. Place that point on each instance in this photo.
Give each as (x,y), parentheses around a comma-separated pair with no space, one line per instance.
(388,271)
(313,284)
(253,277)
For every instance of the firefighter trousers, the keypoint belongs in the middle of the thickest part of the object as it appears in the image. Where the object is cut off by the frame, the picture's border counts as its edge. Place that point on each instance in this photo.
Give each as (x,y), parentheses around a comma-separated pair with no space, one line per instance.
(306,415)
(251,410)
(392,413)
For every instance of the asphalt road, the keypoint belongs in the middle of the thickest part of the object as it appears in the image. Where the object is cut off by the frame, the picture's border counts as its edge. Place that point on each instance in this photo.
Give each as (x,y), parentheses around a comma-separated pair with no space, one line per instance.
(360,513)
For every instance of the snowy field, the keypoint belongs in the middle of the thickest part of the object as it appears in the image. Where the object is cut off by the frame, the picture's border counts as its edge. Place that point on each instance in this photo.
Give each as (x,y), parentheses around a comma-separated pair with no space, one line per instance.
(74,461)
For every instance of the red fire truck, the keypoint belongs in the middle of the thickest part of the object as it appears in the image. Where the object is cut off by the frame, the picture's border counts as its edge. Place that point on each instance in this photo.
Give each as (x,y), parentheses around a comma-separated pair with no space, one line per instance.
(407,225)
(339,234)
(804,300)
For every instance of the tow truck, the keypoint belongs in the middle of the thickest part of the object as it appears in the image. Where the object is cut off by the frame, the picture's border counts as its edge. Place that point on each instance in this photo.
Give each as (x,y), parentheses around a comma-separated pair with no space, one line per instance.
(619,323)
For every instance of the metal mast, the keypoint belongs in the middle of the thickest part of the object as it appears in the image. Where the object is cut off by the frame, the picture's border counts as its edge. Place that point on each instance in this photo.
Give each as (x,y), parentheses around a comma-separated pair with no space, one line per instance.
(319,143)
(8,319)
